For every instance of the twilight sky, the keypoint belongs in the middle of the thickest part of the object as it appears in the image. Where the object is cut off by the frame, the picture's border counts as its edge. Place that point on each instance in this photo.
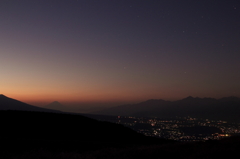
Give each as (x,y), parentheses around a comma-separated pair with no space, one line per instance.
(119,50)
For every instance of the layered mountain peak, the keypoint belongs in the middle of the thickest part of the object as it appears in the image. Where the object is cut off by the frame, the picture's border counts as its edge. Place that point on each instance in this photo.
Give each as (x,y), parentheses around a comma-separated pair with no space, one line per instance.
(55,103)
(189,98)
(56,106)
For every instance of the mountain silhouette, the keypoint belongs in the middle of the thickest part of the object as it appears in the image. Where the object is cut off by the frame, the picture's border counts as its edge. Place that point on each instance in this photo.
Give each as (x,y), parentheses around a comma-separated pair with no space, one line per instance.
(227,108)
(7,103)
(56,106)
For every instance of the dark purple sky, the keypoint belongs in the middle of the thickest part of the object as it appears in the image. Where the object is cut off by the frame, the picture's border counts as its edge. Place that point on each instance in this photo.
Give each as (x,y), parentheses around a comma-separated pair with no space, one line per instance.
(119,50)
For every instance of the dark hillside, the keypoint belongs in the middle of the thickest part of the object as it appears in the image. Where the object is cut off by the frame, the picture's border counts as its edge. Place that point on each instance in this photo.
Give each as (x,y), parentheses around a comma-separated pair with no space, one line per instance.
(199,150)
(25,131)
(55,126)
(25,135)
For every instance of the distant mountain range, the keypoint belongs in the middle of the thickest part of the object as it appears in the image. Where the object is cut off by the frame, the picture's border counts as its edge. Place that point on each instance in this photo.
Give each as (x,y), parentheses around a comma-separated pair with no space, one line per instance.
(227,108)
(7,103)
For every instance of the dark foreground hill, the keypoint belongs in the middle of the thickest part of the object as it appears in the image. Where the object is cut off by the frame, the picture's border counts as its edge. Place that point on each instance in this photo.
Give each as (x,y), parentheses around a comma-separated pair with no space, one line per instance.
(26,131)
(227,148)
(56,126)
(68,148)
(27,135)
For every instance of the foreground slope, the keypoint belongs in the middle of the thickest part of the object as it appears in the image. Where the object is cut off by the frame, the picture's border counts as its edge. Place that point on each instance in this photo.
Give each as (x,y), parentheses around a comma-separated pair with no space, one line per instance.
(25,131)
(56,126)
(12,149)
(226,148)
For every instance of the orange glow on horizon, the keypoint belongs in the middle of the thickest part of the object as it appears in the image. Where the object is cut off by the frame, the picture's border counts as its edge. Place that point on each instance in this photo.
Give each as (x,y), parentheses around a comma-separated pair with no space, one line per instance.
(43,99)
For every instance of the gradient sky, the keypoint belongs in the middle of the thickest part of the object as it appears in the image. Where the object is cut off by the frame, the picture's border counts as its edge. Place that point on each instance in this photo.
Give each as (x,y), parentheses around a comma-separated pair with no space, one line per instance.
(119,50)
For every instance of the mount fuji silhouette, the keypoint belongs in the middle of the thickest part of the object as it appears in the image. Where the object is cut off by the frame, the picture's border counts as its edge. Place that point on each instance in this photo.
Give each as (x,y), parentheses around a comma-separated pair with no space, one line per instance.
(57,106)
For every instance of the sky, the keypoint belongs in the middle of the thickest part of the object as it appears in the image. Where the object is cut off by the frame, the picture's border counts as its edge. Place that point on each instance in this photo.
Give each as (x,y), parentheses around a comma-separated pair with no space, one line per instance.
(118,51)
